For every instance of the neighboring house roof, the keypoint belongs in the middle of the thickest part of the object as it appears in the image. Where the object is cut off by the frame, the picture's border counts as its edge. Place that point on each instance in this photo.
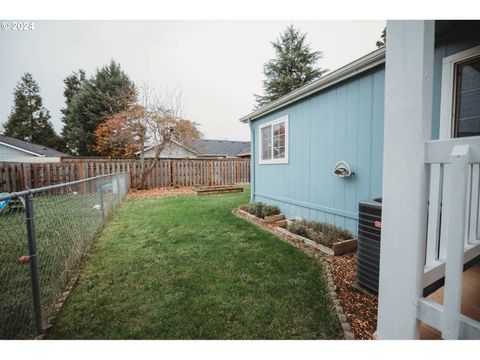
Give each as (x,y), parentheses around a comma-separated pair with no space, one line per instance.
(246,151)
(208,147)
(30,148)
(173,141)
(354,68)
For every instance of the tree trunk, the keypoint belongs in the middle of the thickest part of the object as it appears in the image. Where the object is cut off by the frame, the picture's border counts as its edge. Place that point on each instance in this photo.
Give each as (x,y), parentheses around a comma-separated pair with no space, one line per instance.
(153,163)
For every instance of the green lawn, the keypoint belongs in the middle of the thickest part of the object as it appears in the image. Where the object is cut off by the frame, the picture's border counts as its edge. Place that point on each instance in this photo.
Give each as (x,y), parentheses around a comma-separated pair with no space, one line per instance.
(65,225)
(186,268)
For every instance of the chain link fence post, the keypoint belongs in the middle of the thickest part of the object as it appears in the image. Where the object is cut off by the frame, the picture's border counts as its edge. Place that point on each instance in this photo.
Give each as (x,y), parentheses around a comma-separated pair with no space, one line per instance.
(102,202)
(117,180)
(33,260)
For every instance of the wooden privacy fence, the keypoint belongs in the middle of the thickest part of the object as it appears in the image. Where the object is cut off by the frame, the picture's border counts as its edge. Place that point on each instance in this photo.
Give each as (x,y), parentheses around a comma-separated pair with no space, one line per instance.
(166,173)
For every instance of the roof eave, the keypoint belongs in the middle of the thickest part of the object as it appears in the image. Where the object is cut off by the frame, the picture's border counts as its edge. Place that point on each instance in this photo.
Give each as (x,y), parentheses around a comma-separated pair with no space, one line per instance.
(21,149)
(356,67)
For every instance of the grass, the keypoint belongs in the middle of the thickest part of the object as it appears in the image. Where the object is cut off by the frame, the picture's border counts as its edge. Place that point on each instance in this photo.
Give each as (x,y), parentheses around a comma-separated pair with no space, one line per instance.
(186,268)
(65,224)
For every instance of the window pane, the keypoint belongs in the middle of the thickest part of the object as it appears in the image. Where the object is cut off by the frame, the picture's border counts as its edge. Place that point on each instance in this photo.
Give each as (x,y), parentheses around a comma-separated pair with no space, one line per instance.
(471,75)
(276,130)
(279,141)
(467,112)
(279,152)
(276,140)
(469,127)
(469,104)
(267,154)
(267,143)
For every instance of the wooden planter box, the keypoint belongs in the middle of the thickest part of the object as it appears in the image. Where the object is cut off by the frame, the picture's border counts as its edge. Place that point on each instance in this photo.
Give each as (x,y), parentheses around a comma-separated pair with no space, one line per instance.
(338,248)
(209,190)
(344,246)
(274,218)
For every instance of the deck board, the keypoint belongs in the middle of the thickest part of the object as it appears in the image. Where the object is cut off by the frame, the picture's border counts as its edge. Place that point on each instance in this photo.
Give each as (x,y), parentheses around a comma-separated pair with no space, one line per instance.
(470,300)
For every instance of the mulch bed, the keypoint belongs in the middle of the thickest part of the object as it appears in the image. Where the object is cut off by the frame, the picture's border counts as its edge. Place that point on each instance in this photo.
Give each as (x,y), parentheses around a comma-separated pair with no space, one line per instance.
(161,192)
(359,307)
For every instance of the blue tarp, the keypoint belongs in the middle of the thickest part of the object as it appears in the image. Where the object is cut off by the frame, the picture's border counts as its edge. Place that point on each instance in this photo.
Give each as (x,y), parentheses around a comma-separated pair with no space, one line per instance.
(4,203)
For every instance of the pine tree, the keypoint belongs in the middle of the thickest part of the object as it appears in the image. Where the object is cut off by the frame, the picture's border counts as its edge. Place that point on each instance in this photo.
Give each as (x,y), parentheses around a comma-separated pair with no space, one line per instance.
(90,101)
(73,84)
(383,39)
(293,67)
(29,120)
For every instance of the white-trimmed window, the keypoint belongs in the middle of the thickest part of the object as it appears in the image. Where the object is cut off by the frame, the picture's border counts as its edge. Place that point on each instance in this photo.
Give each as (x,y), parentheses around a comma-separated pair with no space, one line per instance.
(460,106)
(274,141)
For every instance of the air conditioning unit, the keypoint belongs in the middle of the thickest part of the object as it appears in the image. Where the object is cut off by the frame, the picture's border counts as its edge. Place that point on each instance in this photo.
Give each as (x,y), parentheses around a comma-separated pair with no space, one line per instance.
(368,246)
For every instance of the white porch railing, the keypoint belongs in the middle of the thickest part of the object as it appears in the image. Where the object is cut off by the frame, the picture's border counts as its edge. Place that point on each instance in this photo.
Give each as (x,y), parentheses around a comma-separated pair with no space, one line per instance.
(453,231)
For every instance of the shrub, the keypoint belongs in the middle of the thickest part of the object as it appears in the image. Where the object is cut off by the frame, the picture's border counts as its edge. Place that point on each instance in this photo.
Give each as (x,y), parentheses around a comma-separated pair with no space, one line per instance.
(320,232)
(260,209)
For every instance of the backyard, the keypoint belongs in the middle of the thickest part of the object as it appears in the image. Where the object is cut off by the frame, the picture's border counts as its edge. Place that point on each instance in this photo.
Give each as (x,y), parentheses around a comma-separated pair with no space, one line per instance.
(184,267)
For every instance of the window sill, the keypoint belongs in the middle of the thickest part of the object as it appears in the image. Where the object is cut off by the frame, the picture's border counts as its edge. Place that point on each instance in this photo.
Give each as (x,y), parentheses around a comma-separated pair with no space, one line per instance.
(273,162)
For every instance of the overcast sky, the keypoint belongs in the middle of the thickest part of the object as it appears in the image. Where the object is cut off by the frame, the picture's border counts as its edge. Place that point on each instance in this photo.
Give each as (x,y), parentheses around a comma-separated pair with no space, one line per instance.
(217,64)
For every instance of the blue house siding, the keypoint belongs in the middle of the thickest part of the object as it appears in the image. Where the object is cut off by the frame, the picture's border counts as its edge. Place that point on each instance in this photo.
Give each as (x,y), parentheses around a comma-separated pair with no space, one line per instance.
(344,122)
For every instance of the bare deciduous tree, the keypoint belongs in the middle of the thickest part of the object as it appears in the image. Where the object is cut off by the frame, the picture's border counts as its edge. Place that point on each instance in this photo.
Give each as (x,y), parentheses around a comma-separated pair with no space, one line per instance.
(157,121)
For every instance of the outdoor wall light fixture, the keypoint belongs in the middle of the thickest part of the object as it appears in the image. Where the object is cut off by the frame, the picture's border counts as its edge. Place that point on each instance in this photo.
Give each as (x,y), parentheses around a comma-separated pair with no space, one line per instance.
(342,169)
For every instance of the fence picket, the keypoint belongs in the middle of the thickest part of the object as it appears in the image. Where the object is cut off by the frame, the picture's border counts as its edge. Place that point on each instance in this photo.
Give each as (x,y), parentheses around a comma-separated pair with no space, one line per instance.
(166,172)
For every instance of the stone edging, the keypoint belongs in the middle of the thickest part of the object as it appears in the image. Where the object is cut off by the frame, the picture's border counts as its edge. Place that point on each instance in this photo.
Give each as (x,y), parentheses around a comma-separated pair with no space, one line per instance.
(346,328)
(311,250)
(59,305)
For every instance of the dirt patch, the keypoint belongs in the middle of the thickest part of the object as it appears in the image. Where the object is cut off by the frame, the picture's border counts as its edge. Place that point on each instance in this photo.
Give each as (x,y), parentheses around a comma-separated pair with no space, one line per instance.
(161,192)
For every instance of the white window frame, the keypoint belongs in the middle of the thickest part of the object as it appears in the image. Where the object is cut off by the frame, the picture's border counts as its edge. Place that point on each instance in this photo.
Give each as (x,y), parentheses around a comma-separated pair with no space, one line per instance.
(448,98)
(260,142)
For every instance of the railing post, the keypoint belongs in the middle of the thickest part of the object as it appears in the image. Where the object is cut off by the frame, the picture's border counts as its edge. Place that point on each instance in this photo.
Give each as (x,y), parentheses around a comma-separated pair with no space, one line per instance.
(33,260)
(407,126)
(455,224)
(102,202)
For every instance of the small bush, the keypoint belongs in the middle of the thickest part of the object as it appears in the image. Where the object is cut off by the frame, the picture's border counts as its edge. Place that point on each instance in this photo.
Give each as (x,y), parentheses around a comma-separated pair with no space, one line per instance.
(260,210)
(320,232)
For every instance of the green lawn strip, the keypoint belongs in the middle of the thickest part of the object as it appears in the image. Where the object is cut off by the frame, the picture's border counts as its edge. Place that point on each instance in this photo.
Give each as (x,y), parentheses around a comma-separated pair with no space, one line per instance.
(186,268)
(65,225)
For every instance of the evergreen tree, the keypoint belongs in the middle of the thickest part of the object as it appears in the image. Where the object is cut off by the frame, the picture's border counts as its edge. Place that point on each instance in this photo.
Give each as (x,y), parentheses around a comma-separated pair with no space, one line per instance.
(89,102)
(73,84)
(29,120)
(293,67)
(383,39)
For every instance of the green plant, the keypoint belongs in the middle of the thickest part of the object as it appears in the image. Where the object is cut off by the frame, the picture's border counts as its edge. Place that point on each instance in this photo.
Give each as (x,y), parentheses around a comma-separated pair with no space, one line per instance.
(320,232)
(260,209)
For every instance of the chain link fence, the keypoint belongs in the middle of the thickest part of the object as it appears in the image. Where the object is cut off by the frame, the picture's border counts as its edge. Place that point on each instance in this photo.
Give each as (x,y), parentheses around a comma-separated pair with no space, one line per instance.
(43,234)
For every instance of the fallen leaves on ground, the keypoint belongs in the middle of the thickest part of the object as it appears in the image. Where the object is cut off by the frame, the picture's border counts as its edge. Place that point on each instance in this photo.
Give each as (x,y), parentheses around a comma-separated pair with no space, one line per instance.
(161,192)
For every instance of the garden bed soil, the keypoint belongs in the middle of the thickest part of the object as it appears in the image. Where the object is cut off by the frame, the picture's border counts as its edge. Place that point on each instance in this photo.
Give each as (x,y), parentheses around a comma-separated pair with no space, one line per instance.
(209,190)
(359,307)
